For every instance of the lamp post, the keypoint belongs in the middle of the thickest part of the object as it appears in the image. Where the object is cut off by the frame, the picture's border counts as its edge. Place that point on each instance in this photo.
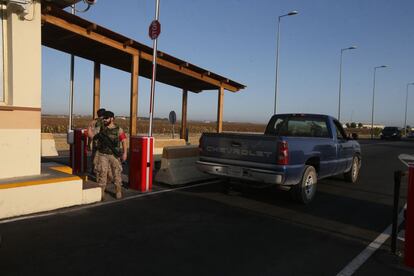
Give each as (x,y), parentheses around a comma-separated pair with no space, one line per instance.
(340,80)
(373,99)
(277,53)
(406,100)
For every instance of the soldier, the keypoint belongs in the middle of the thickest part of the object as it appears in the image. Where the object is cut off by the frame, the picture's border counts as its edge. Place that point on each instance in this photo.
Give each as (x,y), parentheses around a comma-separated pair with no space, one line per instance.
(108,155)
(93,129)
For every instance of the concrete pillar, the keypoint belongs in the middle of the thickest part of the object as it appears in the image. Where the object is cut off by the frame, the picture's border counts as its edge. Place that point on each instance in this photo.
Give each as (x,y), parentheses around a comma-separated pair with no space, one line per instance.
(220,110)
(184,114)
(96,88)
(134,95)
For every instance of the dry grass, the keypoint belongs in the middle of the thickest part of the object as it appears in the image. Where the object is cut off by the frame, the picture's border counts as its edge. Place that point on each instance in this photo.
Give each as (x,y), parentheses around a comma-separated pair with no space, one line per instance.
(57,124)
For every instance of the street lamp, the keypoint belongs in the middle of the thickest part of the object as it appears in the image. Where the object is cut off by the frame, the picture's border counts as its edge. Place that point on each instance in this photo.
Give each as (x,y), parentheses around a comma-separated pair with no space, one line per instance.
(340,80)
(277,53)
(406,100)
(373,99)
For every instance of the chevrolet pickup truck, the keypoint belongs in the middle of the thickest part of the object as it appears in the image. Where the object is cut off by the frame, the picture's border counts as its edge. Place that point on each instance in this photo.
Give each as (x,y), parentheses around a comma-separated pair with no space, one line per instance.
(295,151)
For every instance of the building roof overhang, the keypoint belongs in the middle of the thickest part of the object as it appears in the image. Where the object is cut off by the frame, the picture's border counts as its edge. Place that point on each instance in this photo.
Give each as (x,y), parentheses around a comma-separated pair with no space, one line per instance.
(74,35)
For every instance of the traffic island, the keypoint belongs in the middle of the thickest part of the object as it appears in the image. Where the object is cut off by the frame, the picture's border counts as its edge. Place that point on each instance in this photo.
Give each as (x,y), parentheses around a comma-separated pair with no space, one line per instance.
(54,188)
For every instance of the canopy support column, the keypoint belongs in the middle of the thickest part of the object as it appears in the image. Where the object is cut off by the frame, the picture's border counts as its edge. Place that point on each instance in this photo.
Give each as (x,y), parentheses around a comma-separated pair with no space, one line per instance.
(134,95)
(220,109)
(96,88)
(184,115)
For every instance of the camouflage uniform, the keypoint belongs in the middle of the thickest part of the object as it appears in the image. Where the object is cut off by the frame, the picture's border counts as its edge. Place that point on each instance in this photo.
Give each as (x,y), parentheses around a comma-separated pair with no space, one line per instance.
(106,164)
(96,126)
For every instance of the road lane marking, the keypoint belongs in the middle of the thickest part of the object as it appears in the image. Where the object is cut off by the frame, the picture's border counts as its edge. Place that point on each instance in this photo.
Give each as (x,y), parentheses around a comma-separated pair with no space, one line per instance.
(377,144)
(401,235)
(83,207)
(359,260)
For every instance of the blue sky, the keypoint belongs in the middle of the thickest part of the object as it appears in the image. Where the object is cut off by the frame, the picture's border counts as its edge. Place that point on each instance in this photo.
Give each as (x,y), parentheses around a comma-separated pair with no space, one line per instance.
(237,39)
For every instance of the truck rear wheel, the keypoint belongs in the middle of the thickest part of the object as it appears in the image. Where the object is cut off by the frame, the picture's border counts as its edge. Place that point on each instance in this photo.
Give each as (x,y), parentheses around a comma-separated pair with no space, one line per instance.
(352,175)
(305,190)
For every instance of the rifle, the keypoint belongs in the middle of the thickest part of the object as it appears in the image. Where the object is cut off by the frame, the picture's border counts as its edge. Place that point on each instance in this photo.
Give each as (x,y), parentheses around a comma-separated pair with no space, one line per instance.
(106,141)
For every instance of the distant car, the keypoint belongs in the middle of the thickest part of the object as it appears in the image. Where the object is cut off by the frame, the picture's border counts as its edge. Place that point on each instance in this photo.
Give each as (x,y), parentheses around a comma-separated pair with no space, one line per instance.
(393,133)
(410,134)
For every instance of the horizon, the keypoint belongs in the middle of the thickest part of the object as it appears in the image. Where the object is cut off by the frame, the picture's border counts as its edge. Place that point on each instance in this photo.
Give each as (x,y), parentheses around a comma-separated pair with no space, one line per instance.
(207,121)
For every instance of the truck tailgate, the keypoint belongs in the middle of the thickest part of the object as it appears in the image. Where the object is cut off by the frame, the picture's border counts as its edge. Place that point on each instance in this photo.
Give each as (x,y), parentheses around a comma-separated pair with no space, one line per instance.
(255,148)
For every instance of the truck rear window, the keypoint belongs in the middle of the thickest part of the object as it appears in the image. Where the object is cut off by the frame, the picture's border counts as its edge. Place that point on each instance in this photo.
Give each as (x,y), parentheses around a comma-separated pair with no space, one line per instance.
(298,127)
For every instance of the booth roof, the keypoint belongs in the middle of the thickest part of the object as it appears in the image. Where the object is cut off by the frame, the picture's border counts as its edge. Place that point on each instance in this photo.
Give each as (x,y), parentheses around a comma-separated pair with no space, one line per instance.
(72,34)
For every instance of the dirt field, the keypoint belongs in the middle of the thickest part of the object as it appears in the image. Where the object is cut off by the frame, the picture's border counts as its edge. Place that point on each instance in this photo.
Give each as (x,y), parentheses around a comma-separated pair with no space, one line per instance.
(58,124)
(161,128)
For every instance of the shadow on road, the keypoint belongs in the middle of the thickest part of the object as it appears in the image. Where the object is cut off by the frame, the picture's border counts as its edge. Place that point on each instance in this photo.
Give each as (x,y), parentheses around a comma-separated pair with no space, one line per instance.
(360,219)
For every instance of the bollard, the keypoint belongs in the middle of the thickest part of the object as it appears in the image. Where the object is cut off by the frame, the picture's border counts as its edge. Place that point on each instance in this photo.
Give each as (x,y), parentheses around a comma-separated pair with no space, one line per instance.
(141,163)
(409,222)
(397,185)
(79,152)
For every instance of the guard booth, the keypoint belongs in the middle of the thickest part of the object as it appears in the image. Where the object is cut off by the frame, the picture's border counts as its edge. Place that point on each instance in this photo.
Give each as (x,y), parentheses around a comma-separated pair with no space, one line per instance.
(74,35)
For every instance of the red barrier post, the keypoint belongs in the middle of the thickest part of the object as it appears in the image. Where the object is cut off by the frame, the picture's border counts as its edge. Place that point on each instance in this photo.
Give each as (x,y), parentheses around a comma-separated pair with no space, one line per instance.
(409,222)
(141,163)
(79,152)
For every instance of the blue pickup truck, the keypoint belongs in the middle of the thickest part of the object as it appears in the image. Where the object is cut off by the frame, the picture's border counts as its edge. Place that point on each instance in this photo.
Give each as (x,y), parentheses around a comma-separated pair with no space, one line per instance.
(295,151)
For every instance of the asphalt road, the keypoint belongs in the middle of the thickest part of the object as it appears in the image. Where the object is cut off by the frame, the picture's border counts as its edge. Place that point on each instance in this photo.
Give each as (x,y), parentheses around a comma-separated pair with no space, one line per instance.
(202,231)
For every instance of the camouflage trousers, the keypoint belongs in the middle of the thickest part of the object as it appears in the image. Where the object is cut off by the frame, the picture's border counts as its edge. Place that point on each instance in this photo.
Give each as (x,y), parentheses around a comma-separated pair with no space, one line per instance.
(108,168)
(93,158)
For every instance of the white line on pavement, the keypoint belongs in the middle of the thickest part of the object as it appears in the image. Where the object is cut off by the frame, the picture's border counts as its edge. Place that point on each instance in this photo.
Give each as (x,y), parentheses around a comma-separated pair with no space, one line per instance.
(359,260)
(377,144)
(74,209)
(401,235)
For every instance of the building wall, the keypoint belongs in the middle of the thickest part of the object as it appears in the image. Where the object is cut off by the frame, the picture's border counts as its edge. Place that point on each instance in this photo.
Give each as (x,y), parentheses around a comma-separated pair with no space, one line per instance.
(21,112)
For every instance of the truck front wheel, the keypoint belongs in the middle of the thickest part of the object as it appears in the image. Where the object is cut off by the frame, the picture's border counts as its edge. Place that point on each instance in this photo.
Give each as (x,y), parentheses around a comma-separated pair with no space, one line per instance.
(352,175)
(305,190)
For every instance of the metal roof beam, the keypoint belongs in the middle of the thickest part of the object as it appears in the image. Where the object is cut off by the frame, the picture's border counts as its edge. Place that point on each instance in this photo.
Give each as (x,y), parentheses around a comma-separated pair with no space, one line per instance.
(126,46)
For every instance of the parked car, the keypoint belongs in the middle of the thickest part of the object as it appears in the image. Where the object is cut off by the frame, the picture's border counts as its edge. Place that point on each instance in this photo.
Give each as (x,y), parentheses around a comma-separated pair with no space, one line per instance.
(295,151)
(410,134)
(391,133)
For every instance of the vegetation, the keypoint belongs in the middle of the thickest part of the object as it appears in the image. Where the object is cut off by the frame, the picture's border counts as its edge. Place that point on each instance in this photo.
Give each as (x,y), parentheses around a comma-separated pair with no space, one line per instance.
(59,124)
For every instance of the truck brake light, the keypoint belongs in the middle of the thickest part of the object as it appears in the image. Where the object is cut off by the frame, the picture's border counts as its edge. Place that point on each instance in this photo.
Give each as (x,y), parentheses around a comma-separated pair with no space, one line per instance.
(283,153)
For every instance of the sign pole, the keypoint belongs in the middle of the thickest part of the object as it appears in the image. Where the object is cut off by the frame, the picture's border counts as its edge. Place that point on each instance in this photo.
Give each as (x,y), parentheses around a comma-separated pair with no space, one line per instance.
(154,68)
(72,73)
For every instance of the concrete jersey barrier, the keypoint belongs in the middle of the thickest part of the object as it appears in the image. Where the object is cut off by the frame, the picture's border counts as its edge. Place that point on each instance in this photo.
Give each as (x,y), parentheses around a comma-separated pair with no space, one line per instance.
(48,145)
(159,145)
(178,166)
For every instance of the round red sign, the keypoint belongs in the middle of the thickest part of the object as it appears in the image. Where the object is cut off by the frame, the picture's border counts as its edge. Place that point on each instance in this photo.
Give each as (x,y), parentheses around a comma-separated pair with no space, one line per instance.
(154,29)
